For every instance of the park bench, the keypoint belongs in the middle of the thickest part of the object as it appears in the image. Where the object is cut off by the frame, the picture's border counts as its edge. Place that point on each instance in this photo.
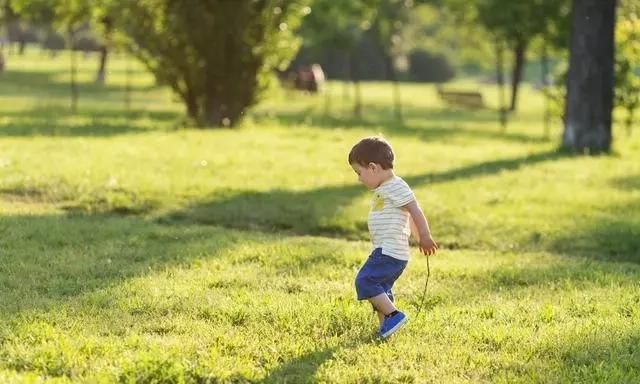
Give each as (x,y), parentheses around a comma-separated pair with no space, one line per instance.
(306,78)
(465,99)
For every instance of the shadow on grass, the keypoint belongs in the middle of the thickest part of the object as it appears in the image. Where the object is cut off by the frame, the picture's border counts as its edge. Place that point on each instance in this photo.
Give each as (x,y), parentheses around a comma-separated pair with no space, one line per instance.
(424,124)
(52,121)
(316,212)
(575,271)
(41,85)
(611,237)
(46,260)
(630,183)
(303,368)
(593,358)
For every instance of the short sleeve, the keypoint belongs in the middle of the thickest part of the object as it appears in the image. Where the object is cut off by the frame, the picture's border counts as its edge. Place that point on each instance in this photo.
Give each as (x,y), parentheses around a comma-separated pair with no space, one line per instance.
(400,194)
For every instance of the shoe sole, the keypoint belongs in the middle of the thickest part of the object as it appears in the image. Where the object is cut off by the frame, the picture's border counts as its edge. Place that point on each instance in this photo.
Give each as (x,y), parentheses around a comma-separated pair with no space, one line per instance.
(392,330)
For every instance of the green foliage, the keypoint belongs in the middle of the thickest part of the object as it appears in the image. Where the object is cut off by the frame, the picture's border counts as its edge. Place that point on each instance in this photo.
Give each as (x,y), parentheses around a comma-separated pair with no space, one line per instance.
(68,14)
(216,56)
(373,30)
(450,32)
(389,21)
(626,66)
(427,67)
(336,23)
(627,60)
(521,21)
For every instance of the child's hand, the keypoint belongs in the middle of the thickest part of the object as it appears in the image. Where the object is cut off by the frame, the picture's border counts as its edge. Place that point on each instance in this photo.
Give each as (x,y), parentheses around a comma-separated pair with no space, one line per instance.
(428,246)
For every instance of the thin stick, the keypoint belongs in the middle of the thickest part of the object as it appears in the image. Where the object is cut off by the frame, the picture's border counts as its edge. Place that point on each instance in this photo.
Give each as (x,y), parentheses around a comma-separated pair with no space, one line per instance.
(426,284)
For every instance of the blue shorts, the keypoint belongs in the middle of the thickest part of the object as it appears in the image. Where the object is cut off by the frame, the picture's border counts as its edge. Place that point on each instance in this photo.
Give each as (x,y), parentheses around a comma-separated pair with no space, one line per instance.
(378,274)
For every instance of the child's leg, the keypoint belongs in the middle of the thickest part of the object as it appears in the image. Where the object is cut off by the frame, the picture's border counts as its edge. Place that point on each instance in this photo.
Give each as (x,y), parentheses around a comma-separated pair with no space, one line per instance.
(382,304)
(387,287)
(378,274)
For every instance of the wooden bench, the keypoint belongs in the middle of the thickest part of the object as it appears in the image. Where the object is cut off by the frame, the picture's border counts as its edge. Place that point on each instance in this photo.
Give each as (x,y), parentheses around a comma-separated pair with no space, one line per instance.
(466,99)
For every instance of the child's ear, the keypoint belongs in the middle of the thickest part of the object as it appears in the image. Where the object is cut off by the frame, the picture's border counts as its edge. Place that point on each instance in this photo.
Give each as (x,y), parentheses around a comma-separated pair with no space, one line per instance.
(372,166)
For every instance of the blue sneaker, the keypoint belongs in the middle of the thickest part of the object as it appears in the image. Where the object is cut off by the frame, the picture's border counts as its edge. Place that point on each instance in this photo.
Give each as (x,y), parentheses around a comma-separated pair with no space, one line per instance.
(392,324)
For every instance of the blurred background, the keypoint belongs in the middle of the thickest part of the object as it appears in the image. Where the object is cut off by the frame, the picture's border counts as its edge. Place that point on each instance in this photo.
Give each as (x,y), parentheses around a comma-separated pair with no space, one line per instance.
(220,58)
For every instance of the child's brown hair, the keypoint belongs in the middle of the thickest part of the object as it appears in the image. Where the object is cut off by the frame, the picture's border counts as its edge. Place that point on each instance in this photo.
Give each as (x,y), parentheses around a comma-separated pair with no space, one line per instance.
(372,150)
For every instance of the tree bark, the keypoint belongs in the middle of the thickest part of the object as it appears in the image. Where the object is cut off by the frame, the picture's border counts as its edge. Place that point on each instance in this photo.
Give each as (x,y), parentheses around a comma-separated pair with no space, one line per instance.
(104,51)
(127,82)
(101,75)
(348,77)
(193,109)
(73,67)
(589,100)
(518,65)
(500,79)
(22,44)
(357,102)
(544,83)
(391,75)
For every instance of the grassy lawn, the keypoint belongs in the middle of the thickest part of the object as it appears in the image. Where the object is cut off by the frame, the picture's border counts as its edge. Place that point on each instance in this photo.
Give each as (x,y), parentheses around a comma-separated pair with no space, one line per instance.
(134,249)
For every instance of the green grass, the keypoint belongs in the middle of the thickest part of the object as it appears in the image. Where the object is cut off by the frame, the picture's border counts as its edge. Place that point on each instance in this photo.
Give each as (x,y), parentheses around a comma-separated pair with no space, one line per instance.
(133,250)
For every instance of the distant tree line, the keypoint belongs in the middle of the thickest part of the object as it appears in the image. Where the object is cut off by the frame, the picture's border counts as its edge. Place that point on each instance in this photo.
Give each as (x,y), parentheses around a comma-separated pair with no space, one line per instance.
(219,56)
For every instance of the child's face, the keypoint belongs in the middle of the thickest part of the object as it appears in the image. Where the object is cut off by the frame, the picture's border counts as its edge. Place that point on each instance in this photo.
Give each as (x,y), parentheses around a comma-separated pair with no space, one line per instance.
(369,176)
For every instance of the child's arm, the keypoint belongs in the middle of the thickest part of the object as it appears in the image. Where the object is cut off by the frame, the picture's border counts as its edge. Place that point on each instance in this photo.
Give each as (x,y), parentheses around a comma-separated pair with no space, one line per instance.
(420,228)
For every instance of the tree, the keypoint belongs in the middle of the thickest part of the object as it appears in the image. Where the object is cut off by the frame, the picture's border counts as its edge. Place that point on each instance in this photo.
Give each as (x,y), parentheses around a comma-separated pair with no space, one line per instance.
(217,56)
(390,18)
(106,22)
(71,15)
(3,14)
(589,100)
(467,14)
(627,60)
(340,24)
(517,23)
(15,26)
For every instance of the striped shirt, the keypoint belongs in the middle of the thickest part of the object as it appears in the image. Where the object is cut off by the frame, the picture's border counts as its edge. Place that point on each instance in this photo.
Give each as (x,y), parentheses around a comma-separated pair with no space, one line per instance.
(388,222)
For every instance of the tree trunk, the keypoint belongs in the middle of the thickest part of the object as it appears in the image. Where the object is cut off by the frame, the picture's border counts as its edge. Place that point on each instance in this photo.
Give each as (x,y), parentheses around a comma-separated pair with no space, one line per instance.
(391,75)
(222,113)
(22,40)
(104,51)
(101,75)
(348,77)
(357,102)
(518,65)
(22,44)
(502,112)
(73,69)
(589,100)
(216,113)
(127,82)
(544,83)
(193,110)
(224,104)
